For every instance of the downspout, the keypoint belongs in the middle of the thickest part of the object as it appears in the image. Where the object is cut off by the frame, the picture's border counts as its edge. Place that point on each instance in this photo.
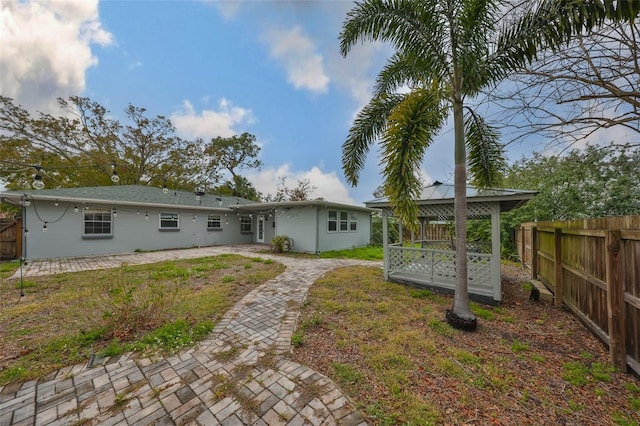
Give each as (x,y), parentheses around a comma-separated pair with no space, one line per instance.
(24,235)
(317,232)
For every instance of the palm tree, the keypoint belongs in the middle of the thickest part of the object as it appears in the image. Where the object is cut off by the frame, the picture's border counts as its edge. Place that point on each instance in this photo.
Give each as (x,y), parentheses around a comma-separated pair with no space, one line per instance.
(445,52)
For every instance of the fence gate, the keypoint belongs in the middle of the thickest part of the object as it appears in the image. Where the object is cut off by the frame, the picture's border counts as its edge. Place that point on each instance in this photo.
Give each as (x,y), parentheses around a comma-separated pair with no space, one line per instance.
(10,238)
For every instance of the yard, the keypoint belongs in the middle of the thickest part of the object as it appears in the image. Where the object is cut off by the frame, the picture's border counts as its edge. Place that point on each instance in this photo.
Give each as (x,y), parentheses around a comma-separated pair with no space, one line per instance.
(64,319)
(388,347)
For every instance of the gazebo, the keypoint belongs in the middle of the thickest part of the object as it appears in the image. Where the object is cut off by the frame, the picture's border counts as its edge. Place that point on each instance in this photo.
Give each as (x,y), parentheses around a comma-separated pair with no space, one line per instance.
(428,262)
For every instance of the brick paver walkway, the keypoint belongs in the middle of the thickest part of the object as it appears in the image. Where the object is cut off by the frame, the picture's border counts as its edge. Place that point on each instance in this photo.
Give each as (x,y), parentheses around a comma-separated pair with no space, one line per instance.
(241,375)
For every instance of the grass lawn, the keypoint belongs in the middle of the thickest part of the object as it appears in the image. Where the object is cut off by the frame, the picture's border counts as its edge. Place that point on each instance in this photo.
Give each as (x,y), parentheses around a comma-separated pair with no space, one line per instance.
(362,253)
(390,350)
(7,269)
(63,319)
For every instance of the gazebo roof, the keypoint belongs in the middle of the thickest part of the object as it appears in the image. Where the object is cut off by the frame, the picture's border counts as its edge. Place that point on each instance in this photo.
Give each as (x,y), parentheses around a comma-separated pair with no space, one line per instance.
(441,195)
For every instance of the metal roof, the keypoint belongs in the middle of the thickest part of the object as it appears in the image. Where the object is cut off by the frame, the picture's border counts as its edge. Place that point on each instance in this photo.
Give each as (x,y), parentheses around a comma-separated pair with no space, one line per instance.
(443,194)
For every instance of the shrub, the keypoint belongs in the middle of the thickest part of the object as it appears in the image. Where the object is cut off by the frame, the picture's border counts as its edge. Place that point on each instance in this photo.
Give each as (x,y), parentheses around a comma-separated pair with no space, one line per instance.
(281,243)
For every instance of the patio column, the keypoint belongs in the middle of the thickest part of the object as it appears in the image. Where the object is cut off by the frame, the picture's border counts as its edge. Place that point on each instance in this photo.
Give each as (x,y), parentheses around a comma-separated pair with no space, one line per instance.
(385,247)
(495,254)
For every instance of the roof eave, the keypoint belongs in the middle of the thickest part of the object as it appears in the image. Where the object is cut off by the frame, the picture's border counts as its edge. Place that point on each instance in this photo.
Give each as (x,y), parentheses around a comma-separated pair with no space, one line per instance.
(83,200)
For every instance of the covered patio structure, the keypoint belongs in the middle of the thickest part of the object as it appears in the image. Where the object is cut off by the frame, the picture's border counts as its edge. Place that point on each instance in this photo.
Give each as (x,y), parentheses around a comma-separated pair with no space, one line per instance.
(429,262)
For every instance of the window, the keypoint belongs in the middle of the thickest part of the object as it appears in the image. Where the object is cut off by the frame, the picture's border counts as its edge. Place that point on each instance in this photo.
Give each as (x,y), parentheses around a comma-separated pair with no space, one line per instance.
(332,220)
(245,224)
(353,221)
(169,221)
(344,221)
(97,223)
(213,221)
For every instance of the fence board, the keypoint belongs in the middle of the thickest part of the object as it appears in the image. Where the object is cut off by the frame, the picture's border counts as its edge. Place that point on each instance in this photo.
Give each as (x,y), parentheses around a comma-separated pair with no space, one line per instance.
(595,265)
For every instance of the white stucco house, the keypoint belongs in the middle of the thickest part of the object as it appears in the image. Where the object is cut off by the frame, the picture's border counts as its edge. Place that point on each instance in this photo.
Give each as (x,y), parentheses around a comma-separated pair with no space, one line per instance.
(124,218)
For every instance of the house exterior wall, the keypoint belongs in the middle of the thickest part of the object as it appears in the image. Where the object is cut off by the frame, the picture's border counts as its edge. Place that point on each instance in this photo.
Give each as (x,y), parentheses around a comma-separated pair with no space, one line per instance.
(338,240)
(130,230)
(308,228)
(299,225)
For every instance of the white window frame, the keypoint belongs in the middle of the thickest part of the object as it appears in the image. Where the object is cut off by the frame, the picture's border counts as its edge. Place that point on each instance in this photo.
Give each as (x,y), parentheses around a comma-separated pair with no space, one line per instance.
(214,222)
(332,220)
(101,221)
(169,217)
(244,222)
(343,221)
(353,221)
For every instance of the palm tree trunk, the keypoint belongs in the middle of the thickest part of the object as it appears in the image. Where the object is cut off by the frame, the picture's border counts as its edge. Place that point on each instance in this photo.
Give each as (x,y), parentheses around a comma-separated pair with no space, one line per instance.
(462,316)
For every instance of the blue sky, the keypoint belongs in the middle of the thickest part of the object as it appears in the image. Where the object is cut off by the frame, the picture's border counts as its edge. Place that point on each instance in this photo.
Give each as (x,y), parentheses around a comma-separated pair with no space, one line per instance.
(270,68)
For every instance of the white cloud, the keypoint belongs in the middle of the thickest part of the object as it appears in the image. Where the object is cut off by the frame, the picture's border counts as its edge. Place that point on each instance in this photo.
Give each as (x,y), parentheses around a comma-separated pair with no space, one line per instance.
(229,9)
(46,49)
(328,185)
(297,52)
(209,123)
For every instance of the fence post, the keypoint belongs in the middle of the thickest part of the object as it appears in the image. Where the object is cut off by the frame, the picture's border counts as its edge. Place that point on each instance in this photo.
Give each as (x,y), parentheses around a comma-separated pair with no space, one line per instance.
(523,246)
(534,252)
(385,246)
(615,300)
(557,261)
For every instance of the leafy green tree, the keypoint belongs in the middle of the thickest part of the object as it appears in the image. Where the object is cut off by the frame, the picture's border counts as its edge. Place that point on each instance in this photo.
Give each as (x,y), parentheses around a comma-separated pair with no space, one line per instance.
(85,144)
(231,154)
(81,146)
(595,182)
(239,186)
(446,52)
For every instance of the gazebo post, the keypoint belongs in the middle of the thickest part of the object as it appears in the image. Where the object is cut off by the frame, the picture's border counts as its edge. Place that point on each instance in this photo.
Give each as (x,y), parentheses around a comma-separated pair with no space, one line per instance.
(400,232)
(495,254)
(385,247)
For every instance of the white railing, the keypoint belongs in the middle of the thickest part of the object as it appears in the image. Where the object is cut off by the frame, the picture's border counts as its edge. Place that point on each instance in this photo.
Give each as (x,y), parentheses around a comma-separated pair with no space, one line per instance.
(438,266)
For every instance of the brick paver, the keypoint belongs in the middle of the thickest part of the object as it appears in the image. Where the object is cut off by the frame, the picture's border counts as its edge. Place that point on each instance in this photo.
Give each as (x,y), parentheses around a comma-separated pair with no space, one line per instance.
(259,385)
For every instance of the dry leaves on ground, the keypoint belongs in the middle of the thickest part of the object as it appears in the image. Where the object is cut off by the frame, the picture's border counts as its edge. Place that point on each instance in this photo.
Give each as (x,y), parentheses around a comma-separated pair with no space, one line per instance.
(388,347)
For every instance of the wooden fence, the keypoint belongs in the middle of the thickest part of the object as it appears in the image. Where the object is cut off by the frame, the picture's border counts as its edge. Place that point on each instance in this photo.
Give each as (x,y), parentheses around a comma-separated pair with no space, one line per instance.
(10,238)
(593,268)
(429,232)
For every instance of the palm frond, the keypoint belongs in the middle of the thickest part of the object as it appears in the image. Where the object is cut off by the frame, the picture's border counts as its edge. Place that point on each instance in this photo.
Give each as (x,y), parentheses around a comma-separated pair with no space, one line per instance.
(368,126)
(413,124)
(486,158)
(553,23)
(408,69)
(405,24)
(477,23)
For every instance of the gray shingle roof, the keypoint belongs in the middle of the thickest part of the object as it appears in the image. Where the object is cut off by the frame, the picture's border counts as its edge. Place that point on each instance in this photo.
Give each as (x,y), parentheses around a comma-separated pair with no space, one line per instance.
(131,194)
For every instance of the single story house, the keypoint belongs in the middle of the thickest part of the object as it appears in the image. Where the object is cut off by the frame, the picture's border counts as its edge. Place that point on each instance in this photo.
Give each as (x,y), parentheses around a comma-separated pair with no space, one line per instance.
(123,218)
(432,263)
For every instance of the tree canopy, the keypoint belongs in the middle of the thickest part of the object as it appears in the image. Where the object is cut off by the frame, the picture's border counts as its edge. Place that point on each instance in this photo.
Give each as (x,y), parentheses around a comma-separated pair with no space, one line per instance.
(594,182)
(85,145)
